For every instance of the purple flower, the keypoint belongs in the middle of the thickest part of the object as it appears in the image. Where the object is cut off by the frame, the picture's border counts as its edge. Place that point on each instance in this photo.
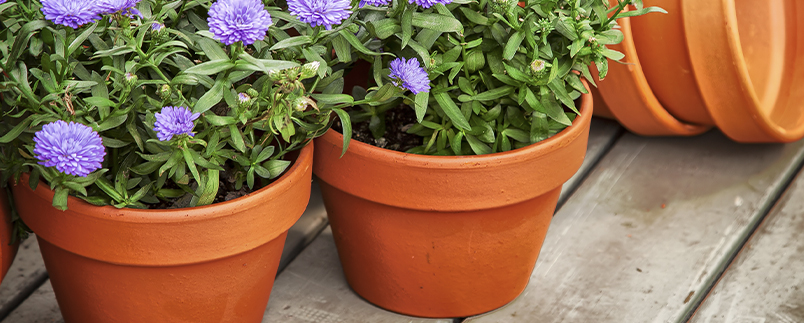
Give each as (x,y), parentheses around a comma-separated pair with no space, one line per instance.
(71,13)
(320,12)
(409,75)
(232,21)
(174,121)
(429,3)
(123,7)
(157,27)
(2,1)
(376,3)
(74,148)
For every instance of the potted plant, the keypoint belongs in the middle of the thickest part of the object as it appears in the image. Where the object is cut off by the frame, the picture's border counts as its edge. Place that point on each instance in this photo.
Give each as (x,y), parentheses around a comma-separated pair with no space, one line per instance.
(160,149)
(483,115)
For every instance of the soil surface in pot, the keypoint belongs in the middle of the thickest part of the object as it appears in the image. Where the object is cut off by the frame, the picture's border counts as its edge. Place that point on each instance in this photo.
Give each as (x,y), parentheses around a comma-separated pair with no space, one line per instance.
(397,121)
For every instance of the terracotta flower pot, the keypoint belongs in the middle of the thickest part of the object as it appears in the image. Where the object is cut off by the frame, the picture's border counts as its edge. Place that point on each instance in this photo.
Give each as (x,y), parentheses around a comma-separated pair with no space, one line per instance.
(212,263)
(437,236)
(7,250)
(734,64)
(748,59)
(630,97)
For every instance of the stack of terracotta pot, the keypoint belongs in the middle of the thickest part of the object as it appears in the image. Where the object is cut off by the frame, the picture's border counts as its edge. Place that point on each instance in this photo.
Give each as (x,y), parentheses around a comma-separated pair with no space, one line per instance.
(737,65)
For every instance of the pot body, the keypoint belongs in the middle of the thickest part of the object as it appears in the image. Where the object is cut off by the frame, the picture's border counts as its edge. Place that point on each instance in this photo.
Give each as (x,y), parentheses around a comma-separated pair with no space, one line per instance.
(7,250)
(437,236)
(214,263)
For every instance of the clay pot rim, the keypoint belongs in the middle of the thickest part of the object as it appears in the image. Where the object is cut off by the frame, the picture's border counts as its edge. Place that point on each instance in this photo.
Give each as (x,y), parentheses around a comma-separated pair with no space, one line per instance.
(470,161)
(187,214)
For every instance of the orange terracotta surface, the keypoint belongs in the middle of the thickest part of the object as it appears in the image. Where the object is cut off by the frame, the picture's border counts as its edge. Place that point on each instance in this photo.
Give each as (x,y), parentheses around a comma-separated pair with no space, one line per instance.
(630,97)
(7,250)
(212,263)
(437,236)
(661,42)
(601,109)
(748,58)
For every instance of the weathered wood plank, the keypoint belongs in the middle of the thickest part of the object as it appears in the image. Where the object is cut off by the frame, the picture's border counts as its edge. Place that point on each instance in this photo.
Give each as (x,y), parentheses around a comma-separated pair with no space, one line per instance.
(313,287)
(650,229)
(765,283)
(26,274)
(41,306)
(602,135)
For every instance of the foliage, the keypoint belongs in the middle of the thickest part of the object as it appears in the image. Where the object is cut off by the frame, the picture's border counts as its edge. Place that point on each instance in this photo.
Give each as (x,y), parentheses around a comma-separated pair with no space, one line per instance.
(502,74)
(253,98)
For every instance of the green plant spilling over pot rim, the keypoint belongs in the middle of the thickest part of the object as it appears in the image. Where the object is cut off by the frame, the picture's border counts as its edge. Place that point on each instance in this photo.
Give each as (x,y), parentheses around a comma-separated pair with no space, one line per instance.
(489,75)
(143,103)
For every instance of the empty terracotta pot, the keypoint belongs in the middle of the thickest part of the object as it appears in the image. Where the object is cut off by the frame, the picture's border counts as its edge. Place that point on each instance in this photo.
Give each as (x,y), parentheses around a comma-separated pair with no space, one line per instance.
(748,61)
(630,97)
(212,263)
(437,236)
(734,64)
(7,250)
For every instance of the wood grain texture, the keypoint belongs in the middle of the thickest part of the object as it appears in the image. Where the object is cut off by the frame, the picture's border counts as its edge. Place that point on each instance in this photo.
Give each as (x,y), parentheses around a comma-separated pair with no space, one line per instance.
(650,229)
(602,135)
(41,306)
(765,283)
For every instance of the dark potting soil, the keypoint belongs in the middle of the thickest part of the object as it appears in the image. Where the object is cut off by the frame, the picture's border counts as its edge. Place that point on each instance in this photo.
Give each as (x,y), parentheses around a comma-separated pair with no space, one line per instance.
(226,192)
(397,121)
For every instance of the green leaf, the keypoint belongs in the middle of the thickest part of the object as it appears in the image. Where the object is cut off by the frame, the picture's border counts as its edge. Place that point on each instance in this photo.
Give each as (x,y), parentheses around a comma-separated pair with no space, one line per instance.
(218,120)
(80,39)
(211,67)
(554,110)
(560,90)
(346,124)
(237,138)
(332,98)
(211,48)
(212,97)
(191,164)
(264,154)
(16,131)
(513,44)
(478,146)
(437,22)
(210,188)
(639,12)
(494,94)
(21,40)
(452,110)
(352,39)
(455,143)
(422,99)
(60,198)
(474,17)
(291,42)
(100,102)
(407,25)
(612,54)
(276,167)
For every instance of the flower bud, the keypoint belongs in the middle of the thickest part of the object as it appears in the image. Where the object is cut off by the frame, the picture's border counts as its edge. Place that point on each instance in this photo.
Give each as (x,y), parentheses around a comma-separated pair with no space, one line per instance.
(131,79)
(309,70)
(252,93)
(243,100)
(275,76)
(164,92)
(502,6)
(537,67)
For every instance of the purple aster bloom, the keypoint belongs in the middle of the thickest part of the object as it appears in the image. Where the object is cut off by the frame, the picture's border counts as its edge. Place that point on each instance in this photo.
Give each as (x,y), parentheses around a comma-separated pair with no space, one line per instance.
(409,75)
(74,148)
(429,3)
(320,12)
(232,21)
(174,121)
(123,7)
(376,3)
(2,1)
(157,27)
(71,13)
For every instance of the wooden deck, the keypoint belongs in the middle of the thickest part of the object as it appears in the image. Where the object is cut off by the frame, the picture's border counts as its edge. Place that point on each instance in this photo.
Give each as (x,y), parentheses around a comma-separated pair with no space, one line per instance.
(650,230)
